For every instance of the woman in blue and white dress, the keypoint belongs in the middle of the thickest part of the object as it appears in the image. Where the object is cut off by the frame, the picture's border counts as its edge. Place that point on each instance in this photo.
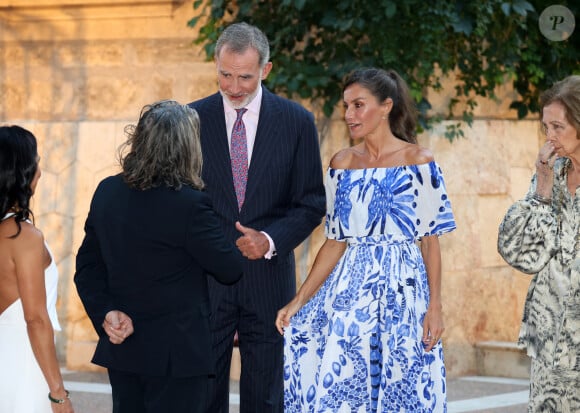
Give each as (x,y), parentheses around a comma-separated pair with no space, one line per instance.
(363,332)
(30,378)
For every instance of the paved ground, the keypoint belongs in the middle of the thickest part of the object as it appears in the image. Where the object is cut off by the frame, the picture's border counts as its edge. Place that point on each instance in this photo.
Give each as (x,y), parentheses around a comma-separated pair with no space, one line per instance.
(91,393)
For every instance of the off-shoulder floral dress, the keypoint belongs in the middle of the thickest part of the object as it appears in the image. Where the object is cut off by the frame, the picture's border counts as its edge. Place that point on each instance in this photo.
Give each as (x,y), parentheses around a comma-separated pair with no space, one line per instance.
(356,345)
(544,240)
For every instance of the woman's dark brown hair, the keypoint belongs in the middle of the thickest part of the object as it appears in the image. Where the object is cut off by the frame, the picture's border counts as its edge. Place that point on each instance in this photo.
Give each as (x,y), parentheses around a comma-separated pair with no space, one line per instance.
(18,165)
(385,84)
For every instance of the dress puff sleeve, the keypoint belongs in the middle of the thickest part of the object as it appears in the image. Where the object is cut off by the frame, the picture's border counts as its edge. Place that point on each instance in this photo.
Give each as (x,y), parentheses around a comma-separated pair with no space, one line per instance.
(527,236)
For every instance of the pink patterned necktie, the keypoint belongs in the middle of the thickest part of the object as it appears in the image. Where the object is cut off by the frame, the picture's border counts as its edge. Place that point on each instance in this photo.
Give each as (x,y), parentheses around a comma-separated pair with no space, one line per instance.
(239,156)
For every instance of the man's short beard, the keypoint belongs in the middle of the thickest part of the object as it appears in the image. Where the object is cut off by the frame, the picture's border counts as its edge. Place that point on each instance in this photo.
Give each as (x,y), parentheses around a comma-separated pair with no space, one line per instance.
(247,99)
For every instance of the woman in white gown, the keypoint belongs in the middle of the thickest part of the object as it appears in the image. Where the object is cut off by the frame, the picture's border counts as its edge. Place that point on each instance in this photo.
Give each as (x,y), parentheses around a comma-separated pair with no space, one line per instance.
(30,379)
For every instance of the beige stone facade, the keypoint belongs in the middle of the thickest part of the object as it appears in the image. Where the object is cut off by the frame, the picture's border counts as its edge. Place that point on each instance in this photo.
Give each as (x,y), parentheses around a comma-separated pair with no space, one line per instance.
(76,72)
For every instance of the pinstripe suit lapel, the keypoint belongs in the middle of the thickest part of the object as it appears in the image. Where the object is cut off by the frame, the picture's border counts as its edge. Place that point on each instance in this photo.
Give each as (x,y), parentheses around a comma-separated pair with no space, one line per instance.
(216,150)
(266,134)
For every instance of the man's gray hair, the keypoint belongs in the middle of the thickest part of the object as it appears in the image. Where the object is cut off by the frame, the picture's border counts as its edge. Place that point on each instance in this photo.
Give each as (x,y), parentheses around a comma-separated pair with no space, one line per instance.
(238,37)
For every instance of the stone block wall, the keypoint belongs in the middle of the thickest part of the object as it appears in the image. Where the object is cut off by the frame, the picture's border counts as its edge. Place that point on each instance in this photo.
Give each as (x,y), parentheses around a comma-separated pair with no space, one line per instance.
(77,72)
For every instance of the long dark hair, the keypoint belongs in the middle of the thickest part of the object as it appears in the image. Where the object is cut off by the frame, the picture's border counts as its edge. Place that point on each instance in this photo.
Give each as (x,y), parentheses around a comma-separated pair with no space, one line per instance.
(18,165)
(385,84)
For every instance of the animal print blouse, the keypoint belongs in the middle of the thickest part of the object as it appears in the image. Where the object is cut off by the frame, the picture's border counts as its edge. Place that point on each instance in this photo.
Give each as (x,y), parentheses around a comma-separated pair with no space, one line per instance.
(543,240)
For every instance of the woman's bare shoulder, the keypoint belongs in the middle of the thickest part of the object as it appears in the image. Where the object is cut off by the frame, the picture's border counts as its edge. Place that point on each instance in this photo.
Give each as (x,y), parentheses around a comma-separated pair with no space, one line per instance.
(28,237)
(416,155)
(343,159)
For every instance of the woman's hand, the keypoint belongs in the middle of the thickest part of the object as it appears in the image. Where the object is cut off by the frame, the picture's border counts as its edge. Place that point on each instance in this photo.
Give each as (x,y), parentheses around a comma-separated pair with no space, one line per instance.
(545,170)
(285,313)
(432,326)
(65,407)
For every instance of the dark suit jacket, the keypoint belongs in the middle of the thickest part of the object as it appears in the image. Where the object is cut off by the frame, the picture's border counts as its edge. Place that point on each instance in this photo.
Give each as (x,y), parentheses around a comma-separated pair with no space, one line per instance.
(284,193)
(146,253)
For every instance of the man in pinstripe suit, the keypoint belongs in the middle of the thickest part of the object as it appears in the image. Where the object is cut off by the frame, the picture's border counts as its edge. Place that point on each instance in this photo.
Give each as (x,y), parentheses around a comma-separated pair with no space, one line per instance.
(284,201)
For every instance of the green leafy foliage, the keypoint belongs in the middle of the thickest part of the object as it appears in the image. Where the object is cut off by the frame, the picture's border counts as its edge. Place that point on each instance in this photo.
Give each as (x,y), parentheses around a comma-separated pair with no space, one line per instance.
(485,44)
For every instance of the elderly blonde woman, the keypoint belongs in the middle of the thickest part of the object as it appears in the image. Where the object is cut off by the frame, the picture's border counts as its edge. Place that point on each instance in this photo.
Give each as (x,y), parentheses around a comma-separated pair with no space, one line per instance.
(540,236)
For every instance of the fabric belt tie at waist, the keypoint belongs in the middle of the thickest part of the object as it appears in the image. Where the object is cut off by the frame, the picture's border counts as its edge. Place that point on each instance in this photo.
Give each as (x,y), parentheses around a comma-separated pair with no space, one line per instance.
(382,240)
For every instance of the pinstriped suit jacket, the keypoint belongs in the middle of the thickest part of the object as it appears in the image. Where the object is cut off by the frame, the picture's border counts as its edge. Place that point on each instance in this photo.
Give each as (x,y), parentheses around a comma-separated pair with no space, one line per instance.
(284,193)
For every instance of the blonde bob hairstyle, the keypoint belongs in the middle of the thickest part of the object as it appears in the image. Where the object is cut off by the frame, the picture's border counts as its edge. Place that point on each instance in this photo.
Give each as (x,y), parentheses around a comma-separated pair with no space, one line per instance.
(567,92)
(163,149)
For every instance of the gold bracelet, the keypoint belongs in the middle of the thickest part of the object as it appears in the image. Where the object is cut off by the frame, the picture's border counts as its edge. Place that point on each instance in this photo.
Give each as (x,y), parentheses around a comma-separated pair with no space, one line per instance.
(59,401)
